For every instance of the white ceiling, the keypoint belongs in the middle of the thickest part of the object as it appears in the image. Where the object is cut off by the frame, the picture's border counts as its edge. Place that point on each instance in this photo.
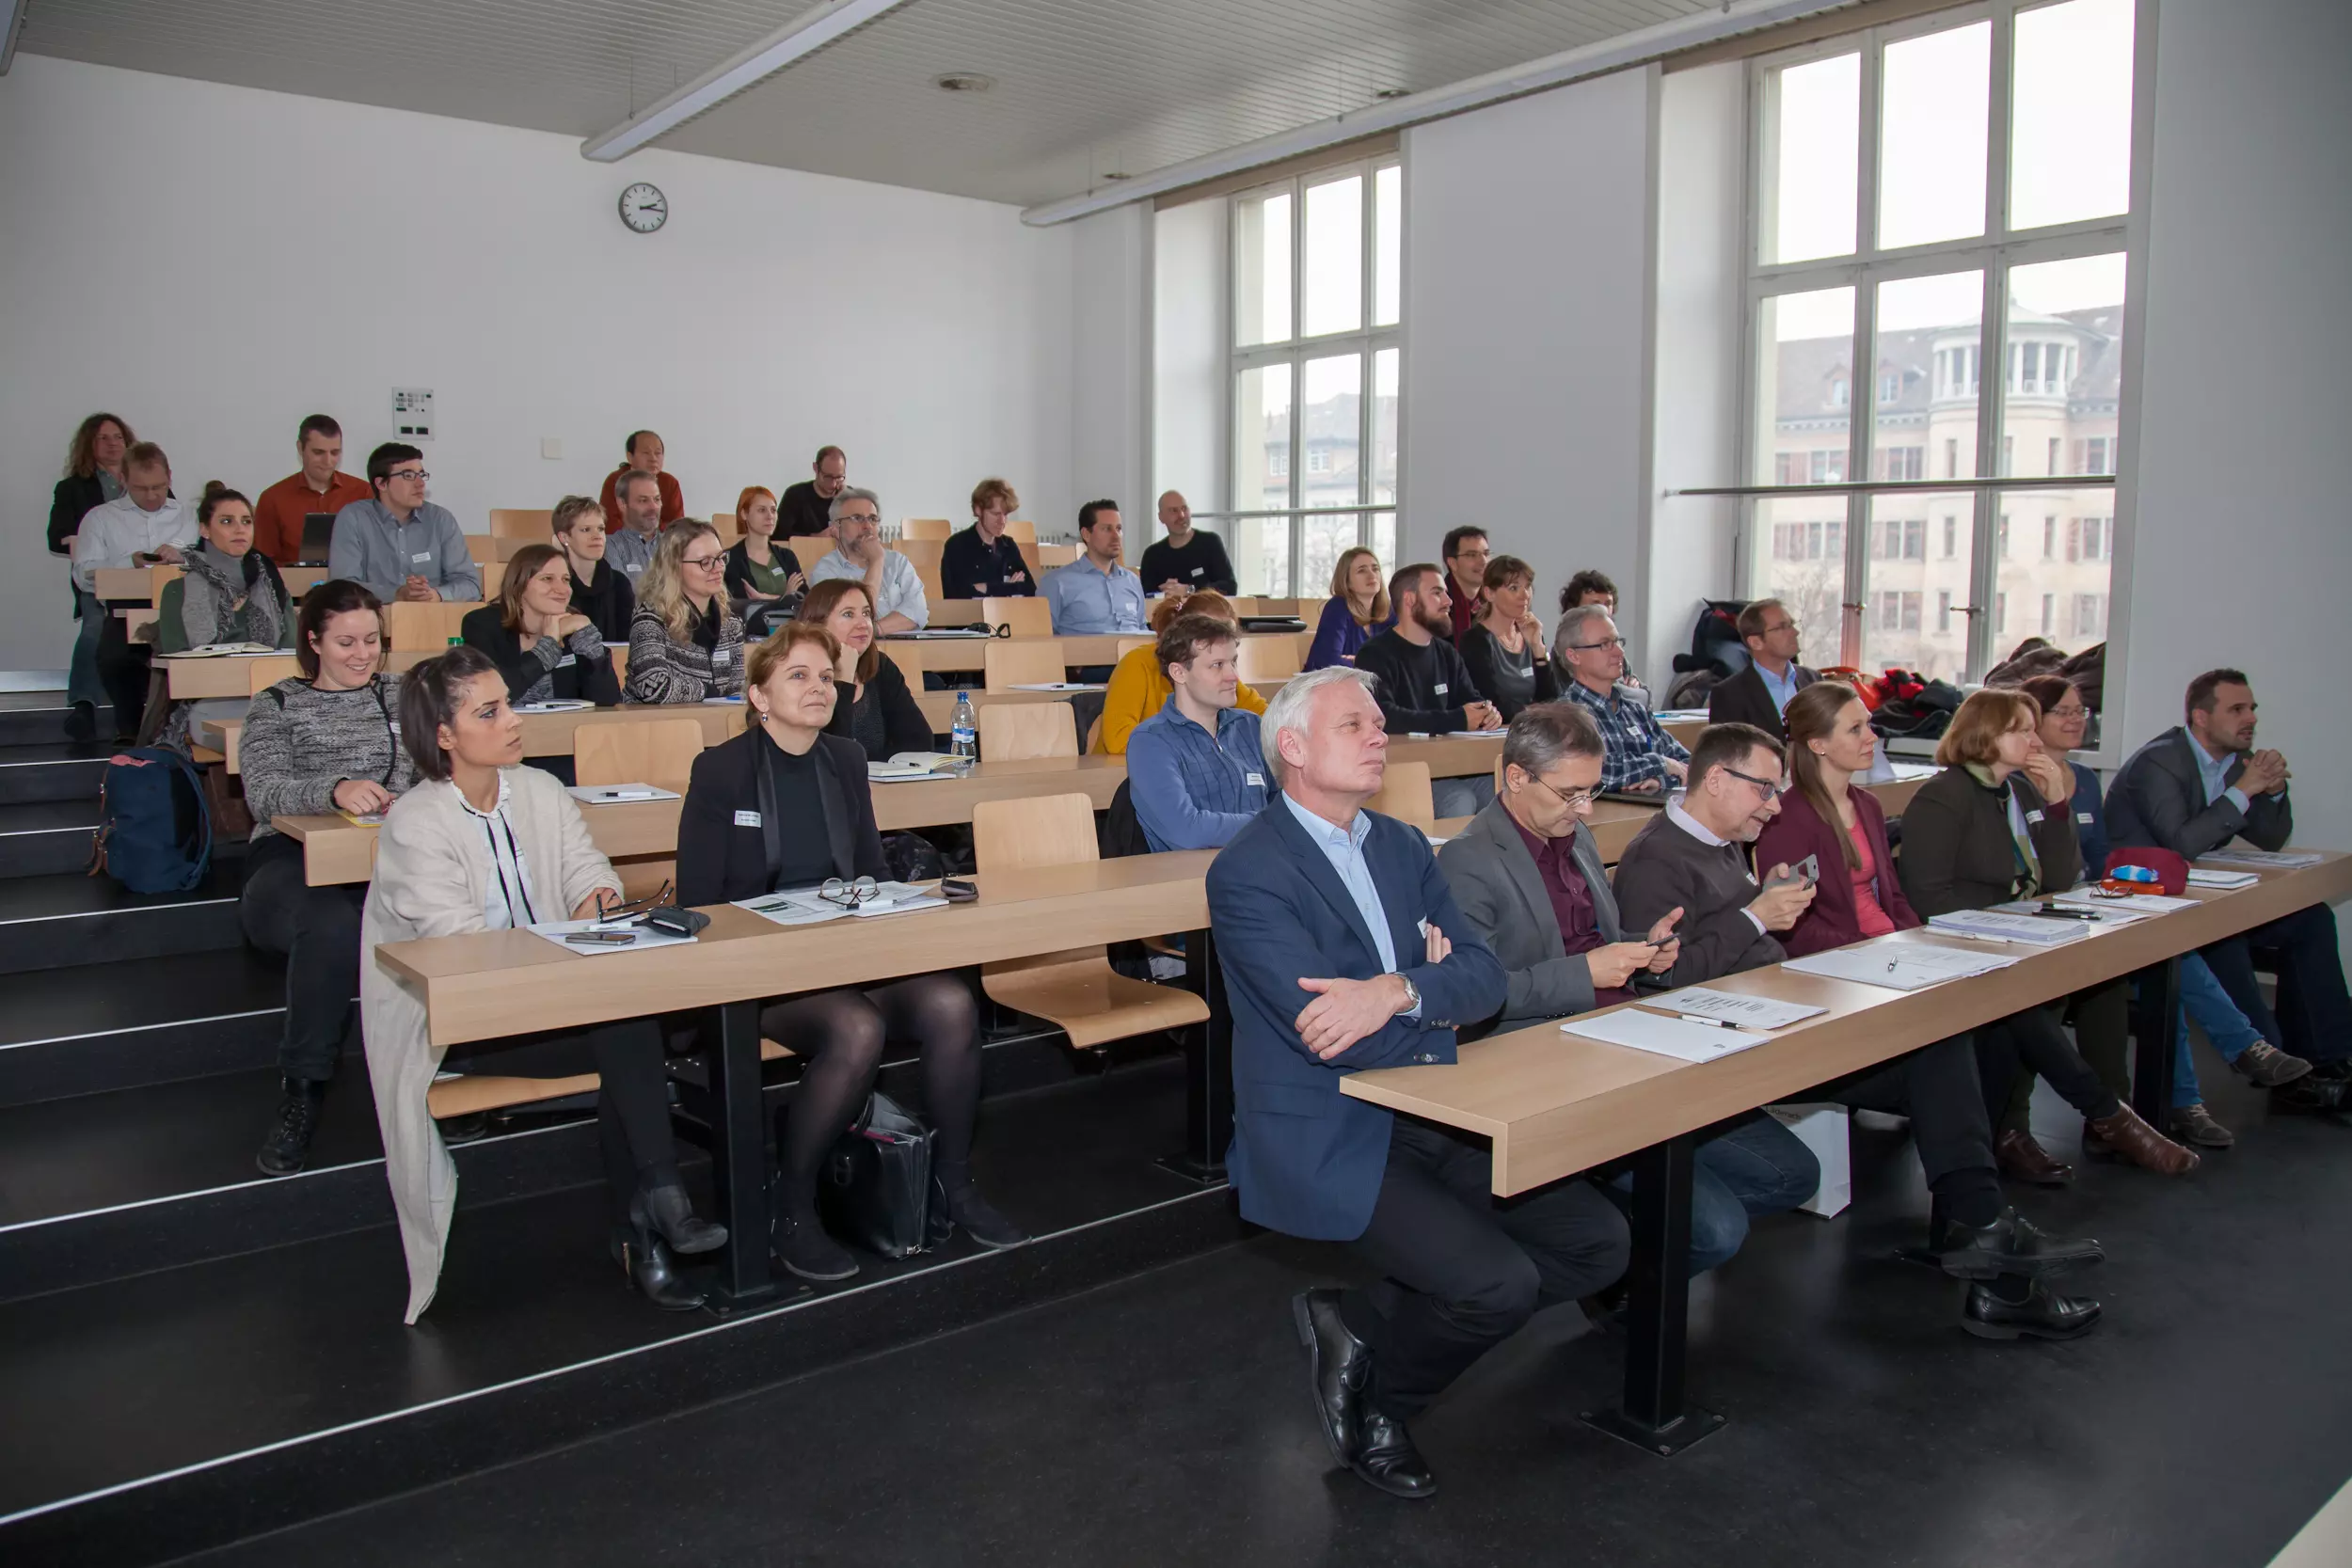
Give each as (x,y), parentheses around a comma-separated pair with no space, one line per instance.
(1084,88)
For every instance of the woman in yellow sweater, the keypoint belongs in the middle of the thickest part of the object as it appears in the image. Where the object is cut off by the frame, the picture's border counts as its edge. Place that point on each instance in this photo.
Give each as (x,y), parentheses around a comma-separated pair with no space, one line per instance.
(1140,687)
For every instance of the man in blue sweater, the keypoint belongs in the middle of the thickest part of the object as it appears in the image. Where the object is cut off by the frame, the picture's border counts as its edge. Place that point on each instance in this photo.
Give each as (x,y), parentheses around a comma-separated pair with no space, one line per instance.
(1195,769)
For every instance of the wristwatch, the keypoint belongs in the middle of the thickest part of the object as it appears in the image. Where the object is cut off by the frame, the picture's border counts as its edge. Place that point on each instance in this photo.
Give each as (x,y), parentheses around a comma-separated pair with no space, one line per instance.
(1412,995)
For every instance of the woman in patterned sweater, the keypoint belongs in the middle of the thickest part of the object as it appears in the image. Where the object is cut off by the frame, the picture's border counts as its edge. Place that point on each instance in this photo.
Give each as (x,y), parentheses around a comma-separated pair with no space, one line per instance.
(686,642)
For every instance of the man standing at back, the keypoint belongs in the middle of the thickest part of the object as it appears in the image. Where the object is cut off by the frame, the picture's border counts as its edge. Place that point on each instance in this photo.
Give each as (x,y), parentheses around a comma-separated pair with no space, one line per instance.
(644,454)
(805,510)
(1189,559)
(397,544)
(1759,694)
(319,486)
(1095,594)
(1341,949)
(2192,790)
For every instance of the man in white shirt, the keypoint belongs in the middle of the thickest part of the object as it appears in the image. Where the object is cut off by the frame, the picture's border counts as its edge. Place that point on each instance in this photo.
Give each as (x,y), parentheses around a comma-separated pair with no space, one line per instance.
(145,525)
(891,582)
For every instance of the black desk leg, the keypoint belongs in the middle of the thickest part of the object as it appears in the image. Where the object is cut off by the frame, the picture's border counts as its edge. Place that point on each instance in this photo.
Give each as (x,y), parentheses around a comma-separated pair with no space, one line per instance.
(1208,1071)
(2155,1025)
(1652,1414)
(739,1157)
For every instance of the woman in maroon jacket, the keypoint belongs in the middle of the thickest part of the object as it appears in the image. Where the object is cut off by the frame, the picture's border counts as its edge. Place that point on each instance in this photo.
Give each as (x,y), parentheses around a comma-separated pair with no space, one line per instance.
(1844,829)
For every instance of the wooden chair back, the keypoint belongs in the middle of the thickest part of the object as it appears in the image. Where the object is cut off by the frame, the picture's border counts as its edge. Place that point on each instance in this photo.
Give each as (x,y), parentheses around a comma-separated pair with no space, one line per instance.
(493,578)
(1405,794)
(266,672)
(1010,662)
(511,523)
(1021,530)
(1033,831)
(809,548)
(923,528)
(924,553)
(482,548)
(1028,617)
(424,627)
(1272,660)
(659,752)
(1015,731)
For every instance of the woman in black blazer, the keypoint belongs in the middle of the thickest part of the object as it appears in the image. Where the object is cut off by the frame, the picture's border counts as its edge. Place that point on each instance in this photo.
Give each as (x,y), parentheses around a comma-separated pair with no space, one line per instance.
(546,650)
(873,706)
(1983,832)
(786,805)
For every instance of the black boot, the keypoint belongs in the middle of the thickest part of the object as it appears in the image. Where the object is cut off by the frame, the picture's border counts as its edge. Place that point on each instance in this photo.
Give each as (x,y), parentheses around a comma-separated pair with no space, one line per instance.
(287,1148)
(645,1258)
(81,722)
(2044,1313)
(667,1207)
(963,1205)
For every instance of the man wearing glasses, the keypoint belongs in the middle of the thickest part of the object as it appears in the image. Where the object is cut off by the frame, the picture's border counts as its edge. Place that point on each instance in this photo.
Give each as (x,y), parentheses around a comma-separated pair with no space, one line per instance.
(1528,878)
(1466,553)
(398,544)
(1759,694)
(892,585)
(1643,759)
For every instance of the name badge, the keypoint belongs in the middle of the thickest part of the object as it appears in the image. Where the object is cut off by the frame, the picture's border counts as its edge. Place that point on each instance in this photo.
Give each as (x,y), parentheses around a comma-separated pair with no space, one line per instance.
(1197,570)
(719,655)
(1438,689)
(1014,577)
(420,558)
(747,819)
(568,660)
(2033,817)
(2083,818)
(1255,781)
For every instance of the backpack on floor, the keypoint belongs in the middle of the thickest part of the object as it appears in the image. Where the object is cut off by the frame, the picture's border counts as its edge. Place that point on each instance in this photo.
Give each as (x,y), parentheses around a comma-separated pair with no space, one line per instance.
(154,834)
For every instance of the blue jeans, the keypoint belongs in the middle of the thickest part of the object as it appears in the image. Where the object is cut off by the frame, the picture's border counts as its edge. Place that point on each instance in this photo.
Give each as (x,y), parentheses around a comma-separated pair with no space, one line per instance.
(2202,998)
(1464,797)
(82,684)
(1759,1167)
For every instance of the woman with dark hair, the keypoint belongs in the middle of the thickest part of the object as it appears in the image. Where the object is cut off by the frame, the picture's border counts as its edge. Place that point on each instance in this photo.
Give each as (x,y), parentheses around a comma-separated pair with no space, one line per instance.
(599,592)
(1503,646)
(1983,832)
(785,804)
(873,706)
(685,642)
(546,650)
(93,476)
(484,844)
(1841,826)
(228,592)
(325,741)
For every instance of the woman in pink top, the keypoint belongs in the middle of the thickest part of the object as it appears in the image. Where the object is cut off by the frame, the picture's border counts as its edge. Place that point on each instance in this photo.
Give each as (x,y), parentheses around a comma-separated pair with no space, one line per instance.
(1843,828)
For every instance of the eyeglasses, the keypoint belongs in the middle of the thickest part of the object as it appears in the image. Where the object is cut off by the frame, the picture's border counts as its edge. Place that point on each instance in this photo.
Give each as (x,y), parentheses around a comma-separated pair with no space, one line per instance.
(418,474)
(833,890)
(701,562)
(1771,790)
(1604,642)
(1575,800)
(2076,712)
(1784,625)
(858,517)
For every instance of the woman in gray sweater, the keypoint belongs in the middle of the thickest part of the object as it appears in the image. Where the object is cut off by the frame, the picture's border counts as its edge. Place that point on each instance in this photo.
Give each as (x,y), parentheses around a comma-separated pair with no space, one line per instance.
(328,741)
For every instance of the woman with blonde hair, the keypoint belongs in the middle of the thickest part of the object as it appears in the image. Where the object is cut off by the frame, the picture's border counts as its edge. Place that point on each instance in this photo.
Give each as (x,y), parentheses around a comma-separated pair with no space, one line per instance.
(685,643)
(1139,688)
(1358,609)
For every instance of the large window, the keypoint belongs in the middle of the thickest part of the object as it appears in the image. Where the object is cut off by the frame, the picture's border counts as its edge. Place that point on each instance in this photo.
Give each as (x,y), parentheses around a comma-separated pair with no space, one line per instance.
(1317,300)
(1938,315)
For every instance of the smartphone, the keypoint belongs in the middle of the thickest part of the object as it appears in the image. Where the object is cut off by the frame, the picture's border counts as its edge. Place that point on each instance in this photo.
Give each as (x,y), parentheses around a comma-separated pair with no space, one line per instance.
(1805,872)
(957,891)
(601,938)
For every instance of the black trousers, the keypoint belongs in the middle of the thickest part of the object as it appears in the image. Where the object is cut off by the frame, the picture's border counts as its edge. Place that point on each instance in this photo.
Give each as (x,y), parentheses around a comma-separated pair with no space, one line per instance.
(632,1104)
(2314,1016)
(122,668)
(2012,1052)
(1462,1269)
(317,930)
(1939,1090)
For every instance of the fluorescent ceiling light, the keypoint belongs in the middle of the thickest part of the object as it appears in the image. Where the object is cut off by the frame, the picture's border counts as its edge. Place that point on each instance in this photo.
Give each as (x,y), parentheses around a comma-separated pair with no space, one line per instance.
(796,40)
(1593,59)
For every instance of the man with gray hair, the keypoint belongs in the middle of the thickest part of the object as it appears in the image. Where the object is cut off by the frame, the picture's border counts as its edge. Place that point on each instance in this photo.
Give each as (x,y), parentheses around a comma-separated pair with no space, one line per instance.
(1641,757)
(629,548)
(891,583)
(1529,878)
(1342,949)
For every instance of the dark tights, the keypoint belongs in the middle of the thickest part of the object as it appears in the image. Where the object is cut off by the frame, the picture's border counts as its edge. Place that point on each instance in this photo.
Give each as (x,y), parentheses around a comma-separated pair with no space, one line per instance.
(632,1108)
(842,1034)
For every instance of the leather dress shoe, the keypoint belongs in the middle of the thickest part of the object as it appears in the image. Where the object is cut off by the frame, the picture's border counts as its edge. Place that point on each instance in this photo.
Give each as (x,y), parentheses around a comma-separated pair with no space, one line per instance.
(645,1258)
(1337,1365)
(980,1219)
(2132,1140)
(2020,1156)
(2309,1096)
(2010,1245)
(1385,1457)
(2043,1315)
(667,1210)
(2336,1069)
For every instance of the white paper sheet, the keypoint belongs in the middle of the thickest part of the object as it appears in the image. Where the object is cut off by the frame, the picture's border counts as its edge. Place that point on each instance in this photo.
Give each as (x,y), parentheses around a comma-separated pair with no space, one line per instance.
(1055,686)
(614,793)
(640,937)
(2143,903)
(1752,1012)
(1898,966)
(555,705)
(1677,1038)
(804,907)
(2033,931)
(1476,734)
(2223,881)
(2269,860)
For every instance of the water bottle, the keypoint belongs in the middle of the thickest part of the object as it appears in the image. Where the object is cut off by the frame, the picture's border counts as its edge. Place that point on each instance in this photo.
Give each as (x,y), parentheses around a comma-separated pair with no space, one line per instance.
(966,741)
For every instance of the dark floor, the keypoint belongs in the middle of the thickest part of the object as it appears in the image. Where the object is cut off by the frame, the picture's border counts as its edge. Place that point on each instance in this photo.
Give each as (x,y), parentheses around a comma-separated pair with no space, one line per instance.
(1164,1420)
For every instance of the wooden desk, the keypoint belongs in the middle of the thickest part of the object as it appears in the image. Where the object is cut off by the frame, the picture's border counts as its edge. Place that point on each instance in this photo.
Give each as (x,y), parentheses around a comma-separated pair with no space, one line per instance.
(915,655)
(1554,1105)
(545,735)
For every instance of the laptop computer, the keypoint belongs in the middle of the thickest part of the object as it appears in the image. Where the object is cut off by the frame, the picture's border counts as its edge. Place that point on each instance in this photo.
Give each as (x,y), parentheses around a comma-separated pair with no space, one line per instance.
(318,534)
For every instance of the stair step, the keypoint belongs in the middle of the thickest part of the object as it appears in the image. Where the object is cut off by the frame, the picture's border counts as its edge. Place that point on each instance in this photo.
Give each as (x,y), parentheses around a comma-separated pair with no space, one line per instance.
(66,919)
(59,770)
(38,717)
(152,1021)
(46,837)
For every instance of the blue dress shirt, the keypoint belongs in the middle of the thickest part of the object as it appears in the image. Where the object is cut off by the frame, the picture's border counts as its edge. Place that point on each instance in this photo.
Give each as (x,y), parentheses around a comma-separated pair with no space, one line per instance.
(1344,848)
(2215,773)
(1779,688)
(1087,601)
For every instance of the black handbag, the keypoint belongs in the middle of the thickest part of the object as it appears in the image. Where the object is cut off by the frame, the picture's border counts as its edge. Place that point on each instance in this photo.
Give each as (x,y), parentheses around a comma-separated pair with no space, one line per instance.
(875,1190)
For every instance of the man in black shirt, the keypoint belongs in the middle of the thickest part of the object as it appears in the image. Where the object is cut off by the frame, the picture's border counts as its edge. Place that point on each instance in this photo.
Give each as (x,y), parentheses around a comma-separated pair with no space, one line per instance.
(1424,686)
(1189,559)
(982,561)
(807,508)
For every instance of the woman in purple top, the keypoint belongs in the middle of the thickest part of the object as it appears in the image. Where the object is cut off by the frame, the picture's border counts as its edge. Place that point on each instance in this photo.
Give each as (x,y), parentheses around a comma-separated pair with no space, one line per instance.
(1359,609)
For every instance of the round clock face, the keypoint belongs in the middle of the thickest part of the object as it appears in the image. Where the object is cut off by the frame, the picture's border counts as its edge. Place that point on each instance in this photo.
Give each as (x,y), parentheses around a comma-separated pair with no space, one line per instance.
(643,208)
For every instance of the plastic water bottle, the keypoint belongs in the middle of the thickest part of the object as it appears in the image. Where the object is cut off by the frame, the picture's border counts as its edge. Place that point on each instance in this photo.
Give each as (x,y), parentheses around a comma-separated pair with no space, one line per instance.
(965,732)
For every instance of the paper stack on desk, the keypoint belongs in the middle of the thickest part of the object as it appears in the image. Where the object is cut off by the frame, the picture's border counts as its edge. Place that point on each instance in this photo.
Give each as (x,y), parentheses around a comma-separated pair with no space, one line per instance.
(1683,1040)
(1995,925)
(2269,860)
(1748,1012)
(1898,965)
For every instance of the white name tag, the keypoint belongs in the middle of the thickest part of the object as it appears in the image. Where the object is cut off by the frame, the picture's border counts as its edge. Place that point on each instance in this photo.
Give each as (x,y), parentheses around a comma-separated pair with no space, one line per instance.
(1014,577)
(747,819)
(719,655)
(2083,818)
(1197,570)
(1438,689)
(568,658)
(420,558)
(1255,781)
(2033,817)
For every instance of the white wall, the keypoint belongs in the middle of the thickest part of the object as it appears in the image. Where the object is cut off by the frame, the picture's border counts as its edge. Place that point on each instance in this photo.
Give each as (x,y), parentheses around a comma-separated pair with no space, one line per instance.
(1110,371)
(1527,272)
(1188,281)
(2242,552)
(214,262)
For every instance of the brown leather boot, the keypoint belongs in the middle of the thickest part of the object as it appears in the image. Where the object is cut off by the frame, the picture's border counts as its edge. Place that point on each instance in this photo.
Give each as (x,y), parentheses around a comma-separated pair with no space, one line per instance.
(2141,1145)
(2020,1157)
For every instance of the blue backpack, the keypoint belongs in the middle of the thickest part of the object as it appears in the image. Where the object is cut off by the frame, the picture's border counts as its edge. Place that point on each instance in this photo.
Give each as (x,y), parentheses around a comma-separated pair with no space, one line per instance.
(154,834)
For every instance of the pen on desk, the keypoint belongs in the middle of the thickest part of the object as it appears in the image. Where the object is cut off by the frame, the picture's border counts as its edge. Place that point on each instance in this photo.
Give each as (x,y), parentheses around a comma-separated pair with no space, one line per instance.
(1718,1023)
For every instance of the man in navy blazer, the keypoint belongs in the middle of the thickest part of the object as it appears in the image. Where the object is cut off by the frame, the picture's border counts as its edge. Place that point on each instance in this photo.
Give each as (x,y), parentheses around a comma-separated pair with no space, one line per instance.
(1341,949)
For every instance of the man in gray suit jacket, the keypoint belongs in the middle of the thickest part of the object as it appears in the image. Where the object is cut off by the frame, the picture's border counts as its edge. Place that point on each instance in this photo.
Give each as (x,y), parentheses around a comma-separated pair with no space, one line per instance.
(1527,875)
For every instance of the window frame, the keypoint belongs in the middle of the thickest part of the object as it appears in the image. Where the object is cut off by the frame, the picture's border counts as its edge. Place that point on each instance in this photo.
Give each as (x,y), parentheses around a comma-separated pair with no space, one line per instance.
(1995,252)
(1365,341)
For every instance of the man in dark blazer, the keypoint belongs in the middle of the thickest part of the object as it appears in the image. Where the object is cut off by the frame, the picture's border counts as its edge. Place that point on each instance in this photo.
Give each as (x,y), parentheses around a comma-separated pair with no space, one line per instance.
(2192,790)
(1341,949)
(1759,694)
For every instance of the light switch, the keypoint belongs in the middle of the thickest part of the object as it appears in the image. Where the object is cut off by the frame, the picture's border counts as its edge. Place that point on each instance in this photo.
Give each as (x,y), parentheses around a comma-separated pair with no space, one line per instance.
(551,448)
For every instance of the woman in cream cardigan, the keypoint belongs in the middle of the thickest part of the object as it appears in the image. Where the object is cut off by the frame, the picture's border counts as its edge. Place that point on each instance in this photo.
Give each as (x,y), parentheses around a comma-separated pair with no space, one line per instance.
(482,844)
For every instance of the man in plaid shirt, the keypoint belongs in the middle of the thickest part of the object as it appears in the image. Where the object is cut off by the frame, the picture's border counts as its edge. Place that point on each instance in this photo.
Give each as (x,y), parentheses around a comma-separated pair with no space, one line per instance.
(1640,758)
